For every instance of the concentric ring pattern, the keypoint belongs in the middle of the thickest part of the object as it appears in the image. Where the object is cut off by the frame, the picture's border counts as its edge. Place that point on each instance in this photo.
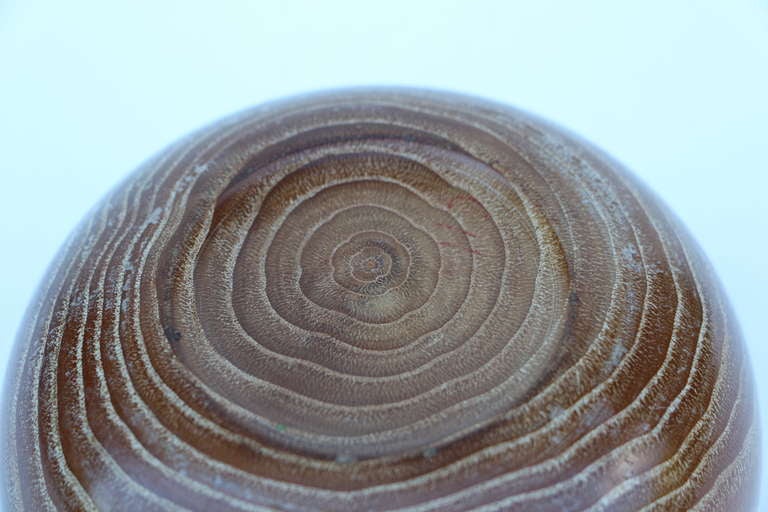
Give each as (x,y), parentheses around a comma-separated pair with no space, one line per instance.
(380,300)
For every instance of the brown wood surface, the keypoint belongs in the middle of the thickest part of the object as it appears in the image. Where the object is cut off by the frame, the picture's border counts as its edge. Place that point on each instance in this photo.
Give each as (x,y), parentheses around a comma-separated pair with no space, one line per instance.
(380,300)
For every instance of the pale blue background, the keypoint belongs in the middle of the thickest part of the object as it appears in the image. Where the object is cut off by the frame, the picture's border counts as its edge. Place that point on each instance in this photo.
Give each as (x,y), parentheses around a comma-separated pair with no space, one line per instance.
(677,90)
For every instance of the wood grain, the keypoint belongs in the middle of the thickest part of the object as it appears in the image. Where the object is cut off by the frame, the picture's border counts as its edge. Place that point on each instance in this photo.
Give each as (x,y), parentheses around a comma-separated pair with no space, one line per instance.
(380,300)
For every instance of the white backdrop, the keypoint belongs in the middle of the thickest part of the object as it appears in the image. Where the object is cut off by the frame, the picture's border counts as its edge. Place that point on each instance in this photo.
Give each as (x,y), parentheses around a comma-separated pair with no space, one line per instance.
(677,90)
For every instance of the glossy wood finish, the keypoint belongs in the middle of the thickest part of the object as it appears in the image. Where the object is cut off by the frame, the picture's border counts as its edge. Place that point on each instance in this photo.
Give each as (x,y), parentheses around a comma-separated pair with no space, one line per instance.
(380,300)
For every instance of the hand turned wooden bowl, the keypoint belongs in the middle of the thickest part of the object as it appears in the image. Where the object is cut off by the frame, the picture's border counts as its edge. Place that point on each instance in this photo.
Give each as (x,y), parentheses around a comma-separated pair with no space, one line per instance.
(379,300)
